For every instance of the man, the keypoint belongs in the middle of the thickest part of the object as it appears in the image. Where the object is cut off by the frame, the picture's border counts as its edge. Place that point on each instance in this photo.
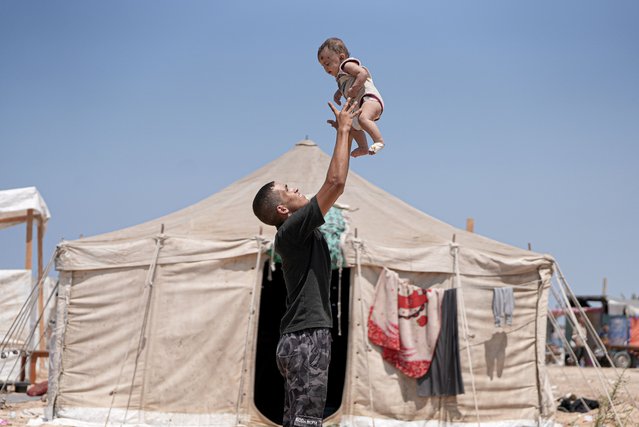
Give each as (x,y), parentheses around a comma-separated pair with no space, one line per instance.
(304,348)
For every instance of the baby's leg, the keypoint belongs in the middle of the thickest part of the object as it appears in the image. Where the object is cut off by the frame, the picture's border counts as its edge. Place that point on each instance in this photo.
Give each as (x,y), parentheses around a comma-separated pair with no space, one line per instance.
(371,110)
(362,146)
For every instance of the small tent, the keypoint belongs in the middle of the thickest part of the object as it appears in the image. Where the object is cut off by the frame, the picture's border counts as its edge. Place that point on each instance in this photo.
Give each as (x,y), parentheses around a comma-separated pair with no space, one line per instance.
(171,322)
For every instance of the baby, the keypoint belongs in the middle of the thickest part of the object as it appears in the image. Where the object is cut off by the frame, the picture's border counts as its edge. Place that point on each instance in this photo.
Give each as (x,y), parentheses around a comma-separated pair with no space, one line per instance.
(355,82)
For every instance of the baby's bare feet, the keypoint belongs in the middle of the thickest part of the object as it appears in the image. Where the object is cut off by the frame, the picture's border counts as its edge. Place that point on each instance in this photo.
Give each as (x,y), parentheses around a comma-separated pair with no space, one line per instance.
(359,151)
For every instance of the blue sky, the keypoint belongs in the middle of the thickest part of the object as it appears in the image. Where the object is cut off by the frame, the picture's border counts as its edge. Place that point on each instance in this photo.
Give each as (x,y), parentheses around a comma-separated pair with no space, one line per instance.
(521,114)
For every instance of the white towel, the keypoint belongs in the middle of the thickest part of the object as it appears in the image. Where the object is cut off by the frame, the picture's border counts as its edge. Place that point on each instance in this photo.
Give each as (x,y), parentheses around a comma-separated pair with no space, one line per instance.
(405,320)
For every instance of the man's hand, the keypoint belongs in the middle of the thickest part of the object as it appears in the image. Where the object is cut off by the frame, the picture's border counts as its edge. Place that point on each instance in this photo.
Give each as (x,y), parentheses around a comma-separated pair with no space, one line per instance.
(337,97)
(343,119)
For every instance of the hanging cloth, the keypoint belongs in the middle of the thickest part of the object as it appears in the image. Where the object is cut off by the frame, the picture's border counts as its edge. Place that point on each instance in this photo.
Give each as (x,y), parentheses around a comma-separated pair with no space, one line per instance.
(444,378)
(503,305)
(405,321)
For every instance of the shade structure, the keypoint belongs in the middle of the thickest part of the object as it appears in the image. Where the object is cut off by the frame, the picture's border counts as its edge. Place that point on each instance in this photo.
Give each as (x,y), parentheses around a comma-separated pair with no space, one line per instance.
(15,203)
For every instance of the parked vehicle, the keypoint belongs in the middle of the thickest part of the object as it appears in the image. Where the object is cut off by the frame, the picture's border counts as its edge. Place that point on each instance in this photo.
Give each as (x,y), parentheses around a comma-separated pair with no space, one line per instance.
(617,324)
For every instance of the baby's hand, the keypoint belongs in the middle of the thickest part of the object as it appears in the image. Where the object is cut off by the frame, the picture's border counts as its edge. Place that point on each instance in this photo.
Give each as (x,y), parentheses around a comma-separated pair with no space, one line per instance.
(352,92)
(337,97)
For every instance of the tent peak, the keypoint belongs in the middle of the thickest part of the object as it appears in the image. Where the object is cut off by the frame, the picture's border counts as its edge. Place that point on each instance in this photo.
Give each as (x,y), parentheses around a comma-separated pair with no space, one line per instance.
(306,142)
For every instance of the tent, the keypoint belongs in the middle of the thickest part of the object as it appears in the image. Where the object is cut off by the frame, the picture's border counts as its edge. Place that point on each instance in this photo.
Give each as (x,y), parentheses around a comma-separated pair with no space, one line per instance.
(165,323)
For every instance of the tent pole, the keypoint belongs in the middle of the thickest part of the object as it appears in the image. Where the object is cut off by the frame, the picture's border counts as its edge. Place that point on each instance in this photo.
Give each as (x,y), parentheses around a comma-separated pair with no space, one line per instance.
(41,290)
(28,262)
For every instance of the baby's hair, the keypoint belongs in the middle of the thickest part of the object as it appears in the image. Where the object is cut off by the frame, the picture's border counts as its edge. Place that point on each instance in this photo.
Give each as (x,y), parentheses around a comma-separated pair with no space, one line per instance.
(335,45)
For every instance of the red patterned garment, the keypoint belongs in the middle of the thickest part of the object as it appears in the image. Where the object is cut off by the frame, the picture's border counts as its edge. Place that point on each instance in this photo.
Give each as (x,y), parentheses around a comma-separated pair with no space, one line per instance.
(405,321)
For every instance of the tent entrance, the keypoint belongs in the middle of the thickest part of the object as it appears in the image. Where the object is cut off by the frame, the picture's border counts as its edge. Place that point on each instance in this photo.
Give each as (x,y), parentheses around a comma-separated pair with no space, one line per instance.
(269,385)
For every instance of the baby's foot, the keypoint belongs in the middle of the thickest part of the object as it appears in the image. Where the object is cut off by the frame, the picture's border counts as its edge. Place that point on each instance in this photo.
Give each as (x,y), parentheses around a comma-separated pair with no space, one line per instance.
(375,148)
(359,151)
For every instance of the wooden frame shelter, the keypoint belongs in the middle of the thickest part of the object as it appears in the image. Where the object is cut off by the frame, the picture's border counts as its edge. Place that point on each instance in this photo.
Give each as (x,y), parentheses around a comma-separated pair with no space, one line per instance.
(26,206)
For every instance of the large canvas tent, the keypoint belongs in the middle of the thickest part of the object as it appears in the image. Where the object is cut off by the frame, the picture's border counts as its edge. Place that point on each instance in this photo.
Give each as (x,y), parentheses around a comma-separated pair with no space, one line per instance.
(159,324)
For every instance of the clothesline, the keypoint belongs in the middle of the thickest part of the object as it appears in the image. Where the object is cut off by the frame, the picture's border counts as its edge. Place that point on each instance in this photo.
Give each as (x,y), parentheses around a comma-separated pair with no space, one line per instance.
(525,286)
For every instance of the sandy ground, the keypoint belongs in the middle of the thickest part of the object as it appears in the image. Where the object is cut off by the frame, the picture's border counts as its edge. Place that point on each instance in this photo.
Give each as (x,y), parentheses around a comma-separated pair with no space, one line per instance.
(569,379)
(565,380)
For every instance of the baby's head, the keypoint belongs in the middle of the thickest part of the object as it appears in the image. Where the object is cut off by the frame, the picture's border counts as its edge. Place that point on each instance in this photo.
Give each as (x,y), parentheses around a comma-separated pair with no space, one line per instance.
(331,53)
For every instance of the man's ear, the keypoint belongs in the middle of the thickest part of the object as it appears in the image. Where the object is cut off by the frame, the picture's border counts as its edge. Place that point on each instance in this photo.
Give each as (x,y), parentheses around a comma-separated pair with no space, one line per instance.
(282,210)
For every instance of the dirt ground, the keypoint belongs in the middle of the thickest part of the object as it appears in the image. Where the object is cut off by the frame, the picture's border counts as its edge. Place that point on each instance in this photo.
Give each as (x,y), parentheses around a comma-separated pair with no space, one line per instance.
(569,380)
(564,380)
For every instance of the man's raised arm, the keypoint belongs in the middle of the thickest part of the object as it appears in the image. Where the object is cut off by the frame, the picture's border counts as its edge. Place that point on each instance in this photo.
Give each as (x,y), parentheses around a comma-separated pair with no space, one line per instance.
(333,186)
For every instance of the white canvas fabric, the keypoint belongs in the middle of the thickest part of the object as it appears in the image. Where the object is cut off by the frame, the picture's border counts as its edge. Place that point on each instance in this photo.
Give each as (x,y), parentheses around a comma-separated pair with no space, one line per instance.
(15,286)
(199,283)
(16,202)
(394,234)
(19,317)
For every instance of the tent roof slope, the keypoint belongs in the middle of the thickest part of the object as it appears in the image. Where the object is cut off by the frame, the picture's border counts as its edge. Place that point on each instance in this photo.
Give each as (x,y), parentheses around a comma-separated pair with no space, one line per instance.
(390,232)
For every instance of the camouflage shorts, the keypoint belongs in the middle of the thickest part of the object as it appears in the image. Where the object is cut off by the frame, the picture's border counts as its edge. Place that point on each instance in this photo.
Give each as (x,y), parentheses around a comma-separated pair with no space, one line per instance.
(303,358)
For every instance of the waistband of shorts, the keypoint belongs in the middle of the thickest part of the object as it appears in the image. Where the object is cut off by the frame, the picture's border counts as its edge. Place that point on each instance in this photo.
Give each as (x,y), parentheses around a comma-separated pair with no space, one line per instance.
(307,331)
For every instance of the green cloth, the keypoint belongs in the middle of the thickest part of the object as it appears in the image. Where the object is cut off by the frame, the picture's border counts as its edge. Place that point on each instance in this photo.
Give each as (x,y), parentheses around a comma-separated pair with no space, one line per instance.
(332,229)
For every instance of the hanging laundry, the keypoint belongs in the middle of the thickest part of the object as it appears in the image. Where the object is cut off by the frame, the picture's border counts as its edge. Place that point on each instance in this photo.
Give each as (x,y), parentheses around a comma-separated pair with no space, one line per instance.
(444,378)
(405,321)
(503,305)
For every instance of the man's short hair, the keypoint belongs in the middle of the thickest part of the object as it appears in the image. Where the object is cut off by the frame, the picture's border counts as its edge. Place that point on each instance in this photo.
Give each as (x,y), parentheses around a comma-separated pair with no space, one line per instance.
(265,205)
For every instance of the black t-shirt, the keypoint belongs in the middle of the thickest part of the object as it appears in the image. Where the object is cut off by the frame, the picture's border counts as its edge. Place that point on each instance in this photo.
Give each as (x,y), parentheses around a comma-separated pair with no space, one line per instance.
(306,263)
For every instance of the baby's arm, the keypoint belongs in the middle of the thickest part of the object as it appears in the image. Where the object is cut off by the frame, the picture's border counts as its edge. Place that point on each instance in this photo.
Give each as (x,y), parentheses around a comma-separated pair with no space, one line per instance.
(360,75)
(337,97)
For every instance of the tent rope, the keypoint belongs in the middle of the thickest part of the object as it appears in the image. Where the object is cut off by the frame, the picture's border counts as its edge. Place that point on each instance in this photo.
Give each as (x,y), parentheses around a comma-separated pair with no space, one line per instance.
(339,301)
(271,260)
(23,315)
(566,344)
(568,290)
(342,263)
(16,330)
(148,287)
(573,319)
(455,252)
(262,246)
(17,325)
(358,245)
